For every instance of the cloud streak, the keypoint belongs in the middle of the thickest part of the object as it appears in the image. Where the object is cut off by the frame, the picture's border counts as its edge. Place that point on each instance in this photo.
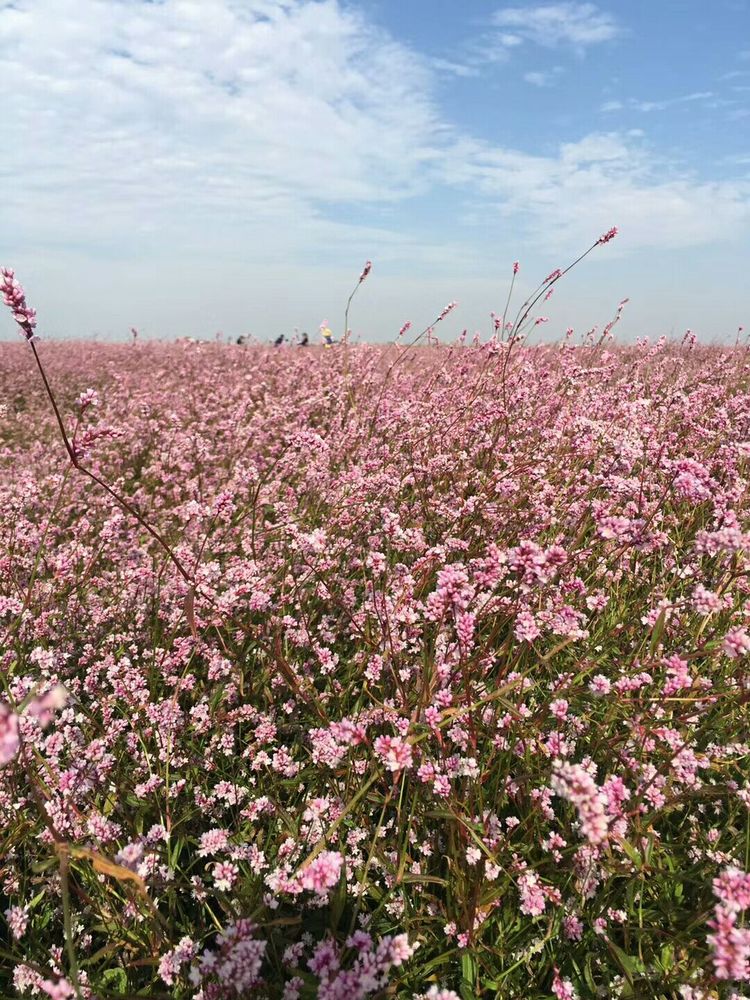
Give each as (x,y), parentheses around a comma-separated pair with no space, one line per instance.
(632,104)
(579,25)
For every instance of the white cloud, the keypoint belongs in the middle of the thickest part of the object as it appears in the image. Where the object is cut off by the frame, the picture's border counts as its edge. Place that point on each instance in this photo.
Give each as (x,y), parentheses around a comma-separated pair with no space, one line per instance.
(565,198)
(646,106)
(454,68)
(229,127)
(550,25)
(129,115)
(543,78)
(706,100)
(172,148)
(634,104)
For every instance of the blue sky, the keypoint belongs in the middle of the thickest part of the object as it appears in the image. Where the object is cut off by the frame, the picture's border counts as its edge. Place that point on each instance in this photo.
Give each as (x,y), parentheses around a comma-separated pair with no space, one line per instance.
(186,166)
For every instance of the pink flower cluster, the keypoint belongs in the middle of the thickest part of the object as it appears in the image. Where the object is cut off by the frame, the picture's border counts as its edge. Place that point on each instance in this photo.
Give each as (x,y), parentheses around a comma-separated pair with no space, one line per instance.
(15,298)
(460,652)
(730,937)
(365,271)
(574,783)
(41,709)
(368,973)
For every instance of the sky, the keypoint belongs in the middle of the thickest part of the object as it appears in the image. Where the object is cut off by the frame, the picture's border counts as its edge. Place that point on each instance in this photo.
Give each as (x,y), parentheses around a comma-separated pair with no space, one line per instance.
(194,166)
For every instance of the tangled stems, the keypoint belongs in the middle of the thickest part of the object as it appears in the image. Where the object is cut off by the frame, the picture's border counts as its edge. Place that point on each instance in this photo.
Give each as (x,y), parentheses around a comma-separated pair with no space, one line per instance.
(117,497)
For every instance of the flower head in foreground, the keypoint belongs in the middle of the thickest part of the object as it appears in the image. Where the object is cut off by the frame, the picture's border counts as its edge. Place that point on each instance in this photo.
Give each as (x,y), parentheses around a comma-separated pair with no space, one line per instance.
(574,783)
(17,918)
(15,298)
(10,741)
(322,873)
(41,709)
(394,752)
(59,990)
(609,235)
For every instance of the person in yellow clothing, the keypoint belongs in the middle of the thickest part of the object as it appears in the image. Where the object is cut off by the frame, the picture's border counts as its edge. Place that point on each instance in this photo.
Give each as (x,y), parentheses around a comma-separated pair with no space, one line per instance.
(327,334)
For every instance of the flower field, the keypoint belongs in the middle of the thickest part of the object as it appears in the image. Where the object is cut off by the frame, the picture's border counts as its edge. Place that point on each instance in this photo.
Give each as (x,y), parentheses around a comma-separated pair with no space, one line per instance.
(401,672)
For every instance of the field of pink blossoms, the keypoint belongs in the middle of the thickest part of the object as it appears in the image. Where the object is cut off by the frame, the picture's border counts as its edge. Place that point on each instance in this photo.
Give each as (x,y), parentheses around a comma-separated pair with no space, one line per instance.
(442,691)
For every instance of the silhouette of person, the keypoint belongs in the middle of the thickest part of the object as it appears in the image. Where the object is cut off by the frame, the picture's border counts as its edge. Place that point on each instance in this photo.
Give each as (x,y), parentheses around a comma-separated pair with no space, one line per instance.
(326,333)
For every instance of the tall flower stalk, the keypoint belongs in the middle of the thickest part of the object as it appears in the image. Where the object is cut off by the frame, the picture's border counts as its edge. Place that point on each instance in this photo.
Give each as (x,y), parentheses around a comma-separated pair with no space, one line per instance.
(15,298)
(363,276)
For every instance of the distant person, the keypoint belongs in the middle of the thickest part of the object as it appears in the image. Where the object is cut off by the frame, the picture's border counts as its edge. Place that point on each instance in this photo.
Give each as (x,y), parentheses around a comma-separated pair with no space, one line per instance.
(327,334)
(305,340)
(241,341)
(279,341)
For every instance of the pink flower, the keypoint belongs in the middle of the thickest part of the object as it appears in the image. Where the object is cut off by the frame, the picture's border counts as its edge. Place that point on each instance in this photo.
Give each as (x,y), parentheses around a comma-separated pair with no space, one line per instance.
(394,752)
(441,786)
(130,856)
(572,928)
(42,709)
(10,740)
(574,783)
(365,271)
(732,888)
(212,842)
(533,900)
(600,685)
(171,963)
(18,919)
(526,628)
(465,624)
(90,397)
(322,873)
(236,962)
(60,990)
(473,855)
(736,643)
(15,298)
(730,945)
(563,988)
(399,949)
(225,875)
(559,708)
(609,235)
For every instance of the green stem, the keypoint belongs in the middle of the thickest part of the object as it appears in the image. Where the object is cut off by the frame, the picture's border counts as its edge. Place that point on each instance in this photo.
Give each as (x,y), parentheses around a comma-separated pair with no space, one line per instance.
(67,921)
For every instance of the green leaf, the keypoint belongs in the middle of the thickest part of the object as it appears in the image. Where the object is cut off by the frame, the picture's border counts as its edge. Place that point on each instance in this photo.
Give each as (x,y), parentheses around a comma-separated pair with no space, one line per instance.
(440,960)
(115,980)
(630,966)
(657,632)
(632,853)
(469,973)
